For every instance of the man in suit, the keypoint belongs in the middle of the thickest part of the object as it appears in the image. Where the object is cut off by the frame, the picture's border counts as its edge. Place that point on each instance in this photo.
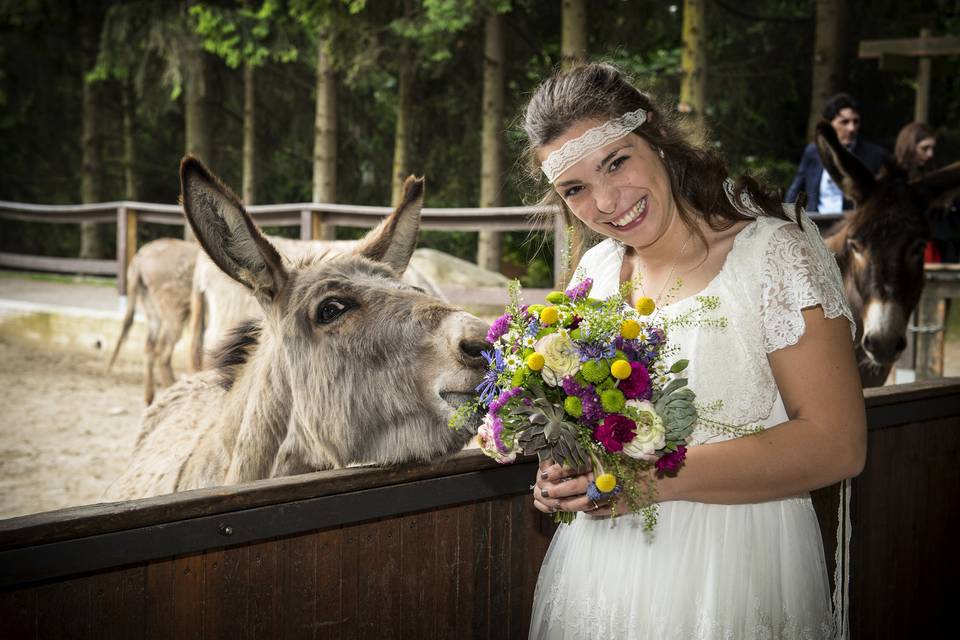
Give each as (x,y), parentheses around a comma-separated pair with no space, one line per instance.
(823,194)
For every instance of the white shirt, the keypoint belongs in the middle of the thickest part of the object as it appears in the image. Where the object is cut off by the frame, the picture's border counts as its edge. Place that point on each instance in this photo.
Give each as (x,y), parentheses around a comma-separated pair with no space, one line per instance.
(831,198)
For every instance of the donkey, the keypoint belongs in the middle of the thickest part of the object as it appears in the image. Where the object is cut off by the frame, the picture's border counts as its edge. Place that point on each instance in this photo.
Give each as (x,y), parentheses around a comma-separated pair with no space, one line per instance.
(879,248)
(348,365)
(218,303)
(160,275)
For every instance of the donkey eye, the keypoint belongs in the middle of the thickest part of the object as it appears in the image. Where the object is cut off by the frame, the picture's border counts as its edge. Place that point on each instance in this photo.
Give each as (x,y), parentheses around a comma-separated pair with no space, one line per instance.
(331,309)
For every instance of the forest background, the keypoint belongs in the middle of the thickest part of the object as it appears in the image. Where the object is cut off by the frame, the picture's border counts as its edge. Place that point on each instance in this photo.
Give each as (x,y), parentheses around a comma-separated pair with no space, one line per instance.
(335,100)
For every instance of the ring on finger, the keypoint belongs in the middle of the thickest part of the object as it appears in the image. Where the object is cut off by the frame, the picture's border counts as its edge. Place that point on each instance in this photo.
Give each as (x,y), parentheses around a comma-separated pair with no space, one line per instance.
(595,505)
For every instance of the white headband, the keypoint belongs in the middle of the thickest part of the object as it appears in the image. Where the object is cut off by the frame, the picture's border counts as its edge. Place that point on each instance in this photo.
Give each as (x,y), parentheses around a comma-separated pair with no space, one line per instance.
(573,150)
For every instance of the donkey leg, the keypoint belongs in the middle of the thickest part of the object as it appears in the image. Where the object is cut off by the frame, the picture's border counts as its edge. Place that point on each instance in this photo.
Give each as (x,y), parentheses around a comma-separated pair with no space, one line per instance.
(150,352)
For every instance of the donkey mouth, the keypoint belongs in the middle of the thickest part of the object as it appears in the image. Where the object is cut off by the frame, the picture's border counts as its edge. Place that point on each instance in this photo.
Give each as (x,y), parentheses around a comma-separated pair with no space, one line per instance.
(457,400)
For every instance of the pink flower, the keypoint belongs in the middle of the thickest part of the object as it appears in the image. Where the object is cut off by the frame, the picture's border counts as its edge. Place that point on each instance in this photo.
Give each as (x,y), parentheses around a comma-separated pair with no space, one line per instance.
(637,386)
(670,463)
(614,432)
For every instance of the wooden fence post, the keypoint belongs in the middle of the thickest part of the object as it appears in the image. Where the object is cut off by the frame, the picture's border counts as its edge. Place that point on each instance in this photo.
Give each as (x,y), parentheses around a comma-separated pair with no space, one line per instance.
(126,245)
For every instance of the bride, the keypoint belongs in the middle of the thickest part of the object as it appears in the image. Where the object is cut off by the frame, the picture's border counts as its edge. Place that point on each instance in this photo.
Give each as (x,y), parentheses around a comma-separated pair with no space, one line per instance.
(737,552)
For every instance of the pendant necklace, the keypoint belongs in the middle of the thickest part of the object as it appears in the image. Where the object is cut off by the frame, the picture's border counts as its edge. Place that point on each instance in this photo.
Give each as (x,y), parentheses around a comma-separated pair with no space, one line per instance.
(666,282)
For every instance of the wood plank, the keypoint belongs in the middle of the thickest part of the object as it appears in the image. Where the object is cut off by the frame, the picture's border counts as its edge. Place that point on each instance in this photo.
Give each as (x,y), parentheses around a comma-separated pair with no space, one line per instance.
(297,564)
(386,564)
(502,578)
(329,613)
(159,584)
(18,612)
(58,265)
(226,574)
(264,590)
(480,594)
(449,605)
(369,581)
(419,576)
(915,47)
(106,602)
(63,609)
(132,615)
(350,613)
(467,612)
(188,601)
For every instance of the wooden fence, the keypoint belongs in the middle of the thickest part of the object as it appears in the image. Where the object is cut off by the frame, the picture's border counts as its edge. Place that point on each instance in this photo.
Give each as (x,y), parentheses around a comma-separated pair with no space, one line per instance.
(309,217)
(450,550)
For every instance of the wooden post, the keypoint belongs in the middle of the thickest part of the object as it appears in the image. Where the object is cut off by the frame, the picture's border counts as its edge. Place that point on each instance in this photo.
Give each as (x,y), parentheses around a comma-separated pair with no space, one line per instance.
(306,221)
(921,108)
(126,245)
(931,326)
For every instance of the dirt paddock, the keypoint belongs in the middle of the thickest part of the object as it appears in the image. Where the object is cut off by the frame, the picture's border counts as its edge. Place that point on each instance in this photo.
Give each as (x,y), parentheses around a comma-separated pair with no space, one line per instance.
(66,427)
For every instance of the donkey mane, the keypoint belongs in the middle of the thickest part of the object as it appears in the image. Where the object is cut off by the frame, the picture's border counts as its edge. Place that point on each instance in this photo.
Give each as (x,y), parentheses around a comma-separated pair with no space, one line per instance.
(232,353)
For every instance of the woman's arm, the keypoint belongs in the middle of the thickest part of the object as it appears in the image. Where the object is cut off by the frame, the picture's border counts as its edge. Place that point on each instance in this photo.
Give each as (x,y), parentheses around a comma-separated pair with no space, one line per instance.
(823,442)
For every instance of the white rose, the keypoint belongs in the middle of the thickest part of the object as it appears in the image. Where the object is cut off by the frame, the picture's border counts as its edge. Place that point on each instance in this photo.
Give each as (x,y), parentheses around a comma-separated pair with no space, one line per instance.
(488,444)
(650,434)
(560,358)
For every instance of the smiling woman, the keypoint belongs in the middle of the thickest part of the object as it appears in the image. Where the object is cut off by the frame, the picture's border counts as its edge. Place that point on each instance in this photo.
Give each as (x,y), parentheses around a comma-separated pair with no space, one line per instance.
(736,551)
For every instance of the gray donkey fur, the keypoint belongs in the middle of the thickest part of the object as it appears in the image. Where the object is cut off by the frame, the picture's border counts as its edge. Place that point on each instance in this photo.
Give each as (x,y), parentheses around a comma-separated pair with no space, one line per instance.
(349,364)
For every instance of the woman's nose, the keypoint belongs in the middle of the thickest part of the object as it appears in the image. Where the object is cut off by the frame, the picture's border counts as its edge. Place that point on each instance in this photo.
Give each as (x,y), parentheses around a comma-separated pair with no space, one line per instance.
(607,200)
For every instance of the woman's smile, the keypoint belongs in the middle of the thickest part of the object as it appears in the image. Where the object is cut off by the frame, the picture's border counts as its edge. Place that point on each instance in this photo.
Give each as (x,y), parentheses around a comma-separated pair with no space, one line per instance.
(633,217)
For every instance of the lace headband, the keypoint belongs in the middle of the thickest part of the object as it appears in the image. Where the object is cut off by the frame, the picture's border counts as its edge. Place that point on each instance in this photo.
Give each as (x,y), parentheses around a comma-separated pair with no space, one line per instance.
(573,150)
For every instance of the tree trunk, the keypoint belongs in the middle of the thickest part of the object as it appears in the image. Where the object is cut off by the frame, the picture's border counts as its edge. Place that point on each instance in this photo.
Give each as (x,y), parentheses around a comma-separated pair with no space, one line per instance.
(91,245)
(249,134)
(694,62)
(490,245)
(325,132)
(828,55)
(573,41)
(131,186)
(401,142)
(197,138)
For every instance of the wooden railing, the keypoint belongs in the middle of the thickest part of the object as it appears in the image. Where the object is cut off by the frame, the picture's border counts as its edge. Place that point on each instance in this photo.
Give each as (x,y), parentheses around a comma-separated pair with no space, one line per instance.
(450,550)
(309,217)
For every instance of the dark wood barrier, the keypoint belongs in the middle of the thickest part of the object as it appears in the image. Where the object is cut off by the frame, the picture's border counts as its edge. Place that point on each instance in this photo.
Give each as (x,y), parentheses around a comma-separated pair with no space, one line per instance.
(443,551)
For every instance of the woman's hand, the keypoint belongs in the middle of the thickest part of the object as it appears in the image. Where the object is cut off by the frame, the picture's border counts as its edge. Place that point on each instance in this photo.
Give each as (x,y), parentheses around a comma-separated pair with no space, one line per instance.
(564,489)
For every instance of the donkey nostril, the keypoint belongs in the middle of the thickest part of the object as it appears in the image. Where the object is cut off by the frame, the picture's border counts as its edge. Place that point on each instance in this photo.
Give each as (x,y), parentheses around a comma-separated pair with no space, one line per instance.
(901,344)
(473,348)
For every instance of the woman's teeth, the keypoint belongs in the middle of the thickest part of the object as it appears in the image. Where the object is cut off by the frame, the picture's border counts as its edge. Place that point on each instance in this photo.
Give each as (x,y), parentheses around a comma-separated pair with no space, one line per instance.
(631,215)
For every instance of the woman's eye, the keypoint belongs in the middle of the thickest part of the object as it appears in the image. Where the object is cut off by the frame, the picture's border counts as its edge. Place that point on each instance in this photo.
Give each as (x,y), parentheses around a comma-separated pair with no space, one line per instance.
(330,310)
(572,191)
(616,164)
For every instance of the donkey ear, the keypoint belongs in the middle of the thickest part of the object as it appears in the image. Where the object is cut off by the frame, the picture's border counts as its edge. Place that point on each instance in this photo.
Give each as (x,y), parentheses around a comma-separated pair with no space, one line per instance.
(394,239)
(846,169)
(227,233)
(934,184)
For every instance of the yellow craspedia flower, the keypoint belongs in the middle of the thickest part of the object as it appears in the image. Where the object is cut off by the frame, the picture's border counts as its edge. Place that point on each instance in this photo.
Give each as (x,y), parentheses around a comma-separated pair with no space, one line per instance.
(535,361)
(645,306)
(620,369)
(630,329)
(549,315)
(606,482)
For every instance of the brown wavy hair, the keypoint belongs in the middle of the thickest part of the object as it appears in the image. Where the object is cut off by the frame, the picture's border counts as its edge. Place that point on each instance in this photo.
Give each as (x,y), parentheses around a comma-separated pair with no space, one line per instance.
(905,149)
(601,91)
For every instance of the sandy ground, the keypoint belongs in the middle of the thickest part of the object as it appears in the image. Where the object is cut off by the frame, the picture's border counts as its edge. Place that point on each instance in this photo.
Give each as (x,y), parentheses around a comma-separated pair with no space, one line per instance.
(66,427)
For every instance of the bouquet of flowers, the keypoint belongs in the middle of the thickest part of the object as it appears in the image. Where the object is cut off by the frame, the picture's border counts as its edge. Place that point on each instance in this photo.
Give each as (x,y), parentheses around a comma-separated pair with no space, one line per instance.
(590,384)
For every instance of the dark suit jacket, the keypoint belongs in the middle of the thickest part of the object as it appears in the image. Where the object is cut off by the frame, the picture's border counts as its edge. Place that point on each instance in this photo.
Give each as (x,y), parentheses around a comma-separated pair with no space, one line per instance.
(811,169)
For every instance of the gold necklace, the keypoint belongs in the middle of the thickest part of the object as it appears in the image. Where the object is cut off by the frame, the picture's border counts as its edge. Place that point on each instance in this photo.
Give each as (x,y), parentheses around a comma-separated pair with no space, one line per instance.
(666,282)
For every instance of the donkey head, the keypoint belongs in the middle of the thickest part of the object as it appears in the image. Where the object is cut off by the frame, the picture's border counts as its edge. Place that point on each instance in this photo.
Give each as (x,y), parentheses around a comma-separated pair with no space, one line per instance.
(357,365)
(880,248)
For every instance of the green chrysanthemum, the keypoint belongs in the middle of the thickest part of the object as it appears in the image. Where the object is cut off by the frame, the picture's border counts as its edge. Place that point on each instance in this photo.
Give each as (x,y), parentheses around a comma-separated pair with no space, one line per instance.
(612,400)
(595,371)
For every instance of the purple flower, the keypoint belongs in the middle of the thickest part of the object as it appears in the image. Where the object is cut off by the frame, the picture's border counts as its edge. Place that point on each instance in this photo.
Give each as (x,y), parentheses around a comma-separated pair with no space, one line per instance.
(595,494)
(592,409)
(637,386)
(670,463)
(495,366)
(596,351)
(614,432)
(503,399)
(629,347)
(499,327)
(581,290)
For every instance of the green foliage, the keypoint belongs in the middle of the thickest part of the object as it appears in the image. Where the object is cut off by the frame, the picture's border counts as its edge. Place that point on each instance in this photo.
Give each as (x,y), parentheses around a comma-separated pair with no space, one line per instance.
(245,35)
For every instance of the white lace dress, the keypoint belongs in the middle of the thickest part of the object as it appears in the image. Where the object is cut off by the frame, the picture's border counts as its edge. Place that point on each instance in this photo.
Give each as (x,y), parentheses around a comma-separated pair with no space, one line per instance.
(708,571)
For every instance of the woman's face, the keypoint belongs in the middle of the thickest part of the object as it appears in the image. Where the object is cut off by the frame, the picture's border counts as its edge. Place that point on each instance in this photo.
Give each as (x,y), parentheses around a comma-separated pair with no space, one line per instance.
(620,190)
(924,150)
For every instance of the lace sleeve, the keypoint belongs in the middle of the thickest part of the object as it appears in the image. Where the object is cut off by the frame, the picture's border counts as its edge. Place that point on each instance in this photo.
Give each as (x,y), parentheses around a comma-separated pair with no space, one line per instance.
(799,272)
